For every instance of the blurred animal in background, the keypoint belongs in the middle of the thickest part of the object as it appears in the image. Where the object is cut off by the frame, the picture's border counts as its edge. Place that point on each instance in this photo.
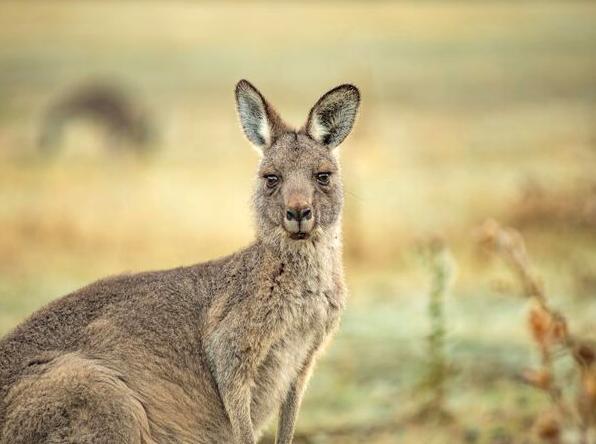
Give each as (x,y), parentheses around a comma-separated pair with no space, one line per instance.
(112,108)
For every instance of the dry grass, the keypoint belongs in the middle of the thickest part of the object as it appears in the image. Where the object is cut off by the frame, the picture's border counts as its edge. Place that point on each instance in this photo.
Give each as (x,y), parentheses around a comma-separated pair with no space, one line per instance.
(554,342)
(440,264)
(570,208)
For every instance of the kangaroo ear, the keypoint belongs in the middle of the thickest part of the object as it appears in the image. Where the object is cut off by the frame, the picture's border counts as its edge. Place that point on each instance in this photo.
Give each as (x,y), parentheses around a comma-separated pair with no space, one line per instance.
(260,122)
(332,117)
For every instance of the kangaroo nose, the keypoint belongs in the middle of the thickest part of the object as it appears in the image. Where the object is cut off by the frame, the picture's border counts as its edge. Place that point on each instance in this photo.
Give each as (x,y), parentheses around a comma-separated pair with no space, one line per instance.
(298,214)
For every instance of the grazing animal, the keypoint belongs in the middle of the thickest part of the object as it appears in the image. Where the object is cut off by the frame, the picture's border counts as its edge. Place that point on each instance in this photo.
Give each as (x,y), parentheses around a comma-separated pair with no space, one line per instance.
(204,353)
(125,122)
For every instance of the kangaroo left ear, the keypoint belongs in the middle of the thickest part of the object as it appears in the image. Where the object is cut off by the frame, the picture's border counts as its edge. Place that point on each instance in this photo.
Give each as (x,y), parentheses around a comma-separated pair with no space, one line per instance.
(331,119)
(261,124)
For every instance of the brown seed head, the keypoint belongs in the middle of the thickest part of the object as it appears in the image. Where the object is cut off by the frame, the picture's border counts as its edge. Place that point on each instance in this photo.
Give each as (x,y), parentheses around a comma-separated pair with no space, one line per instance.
(589,384)
(538,378)
(548,427)
(559,331)
(540,322)
(584,354)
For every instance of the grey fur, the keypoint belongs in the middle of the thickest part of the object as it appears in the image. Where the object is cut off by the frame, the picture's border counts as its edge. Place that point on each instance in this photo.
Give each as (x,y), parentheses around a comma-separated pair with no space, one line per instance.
(198,354)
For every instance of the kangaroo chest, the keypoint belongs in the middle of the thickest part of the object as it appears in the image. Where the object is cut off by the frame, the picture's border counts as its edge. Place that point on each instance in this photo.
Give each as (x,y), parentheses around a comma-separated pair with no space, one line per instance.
(308,312)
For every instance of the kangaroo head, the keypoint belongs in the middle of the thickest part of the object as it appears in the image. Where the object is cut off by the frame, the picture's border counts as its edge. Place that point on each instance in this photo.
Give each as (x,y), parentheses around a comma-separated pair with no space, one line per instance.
(299,191)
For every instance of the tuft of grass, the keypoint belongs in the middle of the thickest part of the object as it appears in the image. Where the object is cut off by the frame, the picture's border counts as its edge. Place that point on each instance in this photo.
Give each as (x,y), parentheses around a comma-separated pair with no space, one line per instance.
(441,267)
(571,414)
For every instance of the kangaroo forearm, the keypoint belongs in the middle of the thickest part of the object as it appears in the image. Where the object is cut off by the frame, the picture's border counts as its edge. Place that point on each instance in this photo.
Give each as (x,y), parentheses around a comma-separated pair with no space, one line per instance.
(287,418)
(235,394)
(293,400)
(235,359)
(242,427)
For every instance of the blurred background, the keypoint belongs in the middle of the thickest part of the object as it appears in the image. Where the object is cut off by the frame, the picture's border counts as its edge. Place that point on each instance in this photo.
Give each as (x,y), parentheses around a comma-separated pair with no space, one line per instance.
(120,151)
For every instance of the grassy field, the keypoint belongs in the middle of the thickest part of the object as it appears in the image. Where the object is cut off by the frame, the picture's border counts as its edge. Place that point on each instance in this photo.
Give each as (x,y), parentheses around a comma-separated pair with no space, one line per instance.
(471,110)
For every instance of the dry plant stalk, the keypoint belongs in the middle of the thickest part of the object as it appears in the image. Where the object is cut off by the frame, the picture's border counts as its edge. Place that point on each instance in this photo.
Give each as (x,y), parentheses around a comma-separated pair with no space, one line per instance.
(551,335)
(441,266)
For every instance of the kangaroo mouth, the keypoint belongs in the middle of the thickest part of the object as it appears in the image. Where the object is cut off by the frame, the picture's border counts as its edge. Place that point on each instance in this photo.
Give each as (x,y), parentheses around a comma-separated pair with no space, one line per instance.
(299,230)
(300,235)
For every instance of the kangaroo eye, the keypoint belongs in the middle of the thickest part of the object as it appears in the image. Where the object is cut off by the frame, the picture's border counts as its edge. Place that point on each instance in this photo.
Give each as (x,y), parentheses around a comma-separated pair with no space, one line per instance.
(323,178)
(272,180)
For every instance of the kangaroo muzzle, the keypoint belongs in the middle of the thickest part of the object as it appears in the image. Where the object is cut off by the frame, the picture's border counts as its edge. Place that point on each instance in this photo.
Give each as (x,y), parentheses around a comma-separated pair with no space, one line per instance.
(298,218)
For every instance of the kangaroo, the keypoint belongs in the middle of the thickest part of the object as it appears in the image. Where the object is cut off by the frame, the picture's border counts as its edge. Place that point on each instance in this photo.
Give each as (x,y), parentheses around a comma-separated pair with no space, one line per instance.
(204,353)
(110,107)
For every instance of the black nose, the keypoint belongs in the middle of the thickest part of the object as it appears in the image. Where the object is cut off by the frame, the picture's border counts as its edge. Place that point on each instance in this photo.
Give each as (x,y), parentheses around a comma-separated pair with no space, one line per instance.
(298,214)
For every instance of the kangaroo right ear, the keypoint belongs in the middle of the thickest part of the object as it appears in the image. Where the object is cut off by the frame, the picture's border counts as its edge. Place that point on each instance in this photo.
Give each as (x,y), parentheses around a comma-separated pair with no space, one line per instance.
(260,122)
(332,117)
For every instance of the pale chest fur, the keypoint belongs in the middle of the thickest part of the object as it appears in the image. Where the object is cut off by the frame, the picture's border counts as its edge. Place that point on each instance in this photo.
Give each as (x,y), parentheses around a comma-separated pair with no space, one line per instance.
(305,298)
(306,289)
